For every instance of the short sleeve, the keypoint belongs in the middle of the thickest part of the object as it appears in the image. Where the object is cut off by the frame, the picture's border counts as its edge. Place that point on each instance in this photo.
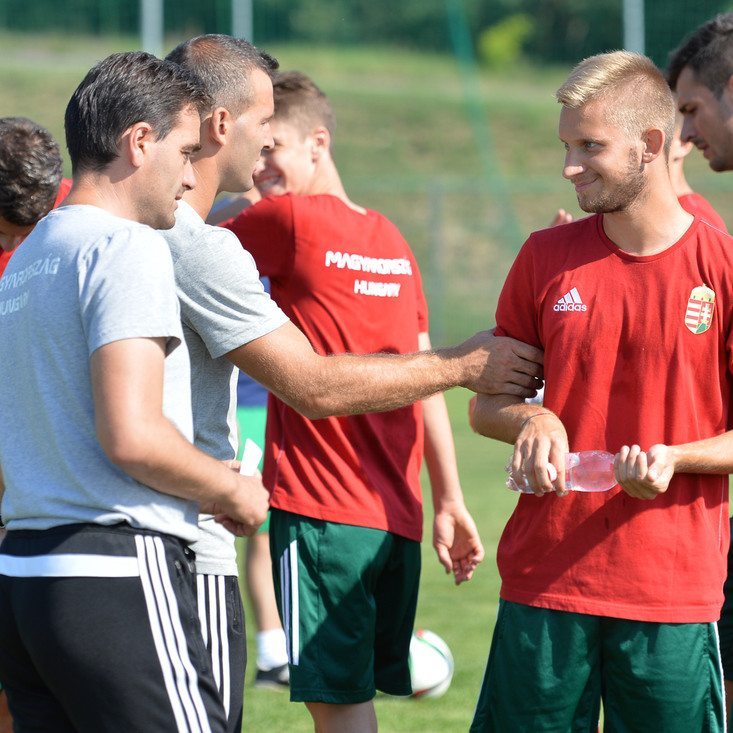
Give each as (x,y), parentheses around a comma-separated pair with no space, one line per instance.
(516,312)
(127,289)
(266,231)
(423,322)
(222,297)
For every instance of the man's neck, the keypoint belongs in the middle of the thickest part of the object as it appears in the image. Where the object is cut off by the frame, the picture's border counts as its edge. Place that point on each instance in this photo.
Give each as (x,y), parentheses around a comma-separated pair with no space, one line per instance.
(328,182)
(651,225)
(201,198)
(96,189)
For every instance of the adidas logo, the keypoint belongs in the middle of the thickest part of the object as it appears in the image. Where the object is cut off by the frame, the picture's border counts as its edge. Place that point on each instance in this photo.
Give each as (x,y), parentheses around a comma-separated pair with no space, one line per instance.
(571,301)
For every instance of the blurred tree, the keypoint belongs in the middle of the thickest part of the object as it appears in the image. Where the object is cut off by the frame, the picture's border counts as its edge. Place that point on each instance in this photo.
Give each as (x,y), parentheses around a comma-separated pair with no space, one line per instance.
(502,44)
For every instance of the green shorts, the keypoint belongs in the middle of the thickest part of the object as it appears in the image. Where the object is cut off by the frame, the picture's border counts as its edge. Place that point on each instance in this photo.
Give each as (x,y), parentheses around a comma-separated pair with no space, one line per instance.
(347,597)
(251,422)
(548,671)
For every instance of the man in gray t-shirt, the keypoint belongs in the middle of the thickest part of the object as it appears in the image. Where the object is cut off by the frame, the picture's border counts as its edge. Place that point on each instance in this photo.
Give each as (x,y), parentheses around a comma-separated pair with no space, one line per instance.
(101,486)
(229,321)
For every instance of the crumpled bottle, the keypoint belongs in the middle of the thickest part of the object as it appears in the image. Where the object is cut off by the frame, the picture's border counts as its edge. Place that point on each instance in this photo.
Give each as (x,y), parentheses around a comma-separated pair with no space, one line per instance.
(588,471)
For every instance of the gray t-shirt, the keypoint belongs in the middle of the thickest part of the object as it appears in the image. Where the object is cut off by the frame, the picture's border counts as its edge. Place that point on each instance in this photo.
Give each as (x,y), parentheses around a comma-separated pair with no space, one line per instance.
(83,279)
(223,306)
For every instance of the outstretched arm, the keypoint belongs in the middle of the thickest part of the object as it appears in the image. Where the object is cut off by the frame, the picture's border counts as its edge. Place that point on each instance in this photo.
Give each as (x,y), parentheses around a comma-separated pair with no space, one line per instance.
(455,537)
(646,475)
(538,436)
(342,384)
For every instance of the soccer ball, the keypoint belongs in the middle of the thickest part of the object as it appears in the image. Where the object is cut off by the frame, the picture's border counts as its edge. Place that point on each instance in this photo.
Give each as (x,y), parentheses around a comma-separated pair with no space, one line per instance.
(431,664)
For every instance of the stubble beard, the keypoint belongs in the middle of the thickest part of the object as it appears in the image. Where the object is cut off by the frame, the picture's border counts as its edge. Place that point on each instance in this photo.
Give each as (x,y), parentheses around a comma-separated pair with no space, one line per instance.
(620,196)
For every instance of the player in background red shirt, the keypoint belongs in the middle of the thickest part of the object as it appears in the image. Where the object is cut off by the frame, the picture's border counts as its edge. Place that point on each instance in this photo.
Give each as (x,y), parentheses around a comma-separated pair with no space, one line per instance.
(30,180)
(347,278)
(613,596)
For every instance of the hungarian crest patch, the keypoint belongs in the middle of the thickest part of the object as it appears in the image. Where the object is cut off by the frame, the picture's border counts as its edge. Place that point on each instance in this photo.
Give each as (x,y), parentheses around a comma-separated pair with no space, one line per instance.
(700,309)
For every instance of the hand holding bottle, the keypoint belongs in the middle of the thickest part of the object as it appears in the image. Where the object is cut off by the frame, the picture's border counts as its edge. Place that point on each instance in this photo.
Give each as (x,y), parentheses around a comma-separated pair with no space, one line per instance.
(587,471)
(541,442)
(646,475)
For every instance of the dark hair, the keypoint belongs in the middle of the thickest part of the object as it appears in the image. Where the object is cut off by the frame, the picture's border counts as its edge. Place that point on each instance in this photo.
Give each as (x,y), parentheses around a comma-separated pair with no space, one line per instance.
(30,171)
(123,89)
(708,51)
(222,65)
(300,102)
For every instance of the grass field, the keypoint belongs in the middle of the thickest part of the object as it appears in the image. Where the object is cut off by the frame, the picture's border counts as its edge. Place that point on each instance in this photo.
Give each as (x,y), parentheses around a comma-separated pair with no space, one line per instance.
(407,145)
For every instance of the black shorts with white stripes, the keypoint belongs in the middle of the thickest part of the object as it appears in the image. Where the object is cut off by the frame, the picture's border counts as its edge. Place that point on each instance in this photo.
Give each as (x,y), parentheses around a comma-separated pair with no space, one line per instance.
(99,633)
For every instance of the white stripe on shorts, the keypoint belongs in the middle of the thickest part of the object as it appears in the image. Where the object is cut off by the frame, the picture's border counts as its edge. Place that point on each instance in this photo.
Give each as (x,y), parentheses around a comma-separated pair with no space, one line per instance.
(180,677)
(214,629)
(224,639)
(722,676)
(289,601)
(294,600)
(201,606)
(285,600)
(212,612)
(69,566)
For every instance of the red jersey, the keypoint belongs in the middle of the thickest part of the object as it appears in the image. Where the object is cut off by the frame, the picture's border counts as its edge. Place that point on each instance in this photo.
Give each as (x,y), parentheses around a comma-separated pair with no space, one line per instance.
(350,282)
(637,350)
(64,189)
(697,205)
(4,259)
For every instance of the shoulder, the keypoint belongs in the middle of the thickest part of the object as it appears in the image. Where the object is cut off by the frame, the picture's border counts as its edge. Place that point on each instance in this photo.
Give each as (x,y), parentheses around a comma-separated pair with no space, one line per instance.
(110,234)
(712,237)
(273,206)
(191,240)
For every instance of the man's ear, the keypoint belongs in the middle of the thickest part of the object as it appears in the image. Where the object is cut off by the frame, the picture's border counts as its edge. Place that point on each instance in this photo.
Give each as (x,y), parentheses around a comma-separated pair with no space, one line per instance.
(218,126)
(135,141)
(320,143)
(728,91)
(653,140)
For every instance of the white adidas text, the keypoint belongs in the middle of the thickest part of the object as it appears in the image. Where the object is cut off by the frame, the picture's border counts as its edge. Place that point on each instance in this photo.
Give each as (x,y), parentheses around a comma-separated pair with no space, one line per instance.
(571,301)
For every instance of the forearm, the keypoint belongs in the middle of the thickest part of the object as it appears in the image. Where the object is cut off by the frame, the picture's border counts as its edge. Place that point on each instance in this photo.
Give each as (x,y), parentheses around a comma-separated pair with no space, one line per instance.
(342,384)
(712,455)
(160,457)
(345,384)
(440,454)
(502,417)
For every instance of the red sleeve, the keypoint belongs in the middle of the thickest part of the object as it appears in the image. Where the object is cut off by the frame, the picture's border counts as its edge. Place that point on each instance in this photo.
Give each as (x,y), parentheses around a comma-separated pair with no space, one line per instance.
(517,312)
(266,230)
(64,189)
(4,259)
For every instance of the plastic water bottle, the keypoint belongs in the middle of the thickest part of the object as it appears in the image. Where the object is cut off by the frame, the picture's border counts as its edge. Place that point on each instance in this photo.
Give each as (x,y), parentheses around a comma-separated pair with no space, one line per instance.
(589,470)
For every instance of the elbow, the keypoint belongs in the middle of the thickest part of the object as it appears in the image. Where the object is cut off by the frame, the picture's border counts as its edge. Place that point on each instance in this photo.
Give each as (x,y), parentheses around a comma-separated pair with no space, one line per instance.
(313,406)
(477,419)
(126,450)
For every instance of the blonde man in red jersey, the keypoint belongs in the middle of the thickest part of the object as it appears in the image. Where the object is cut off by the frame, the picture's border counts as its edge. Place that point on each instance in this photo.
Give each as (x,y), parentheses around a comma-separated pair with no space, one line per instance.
(613,596)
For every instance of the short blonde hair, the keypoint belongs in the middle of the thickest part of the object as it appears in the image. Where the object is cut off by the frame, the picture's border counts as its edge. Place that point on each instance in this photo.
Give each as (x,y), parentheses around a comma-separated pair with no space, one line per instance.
(636,91)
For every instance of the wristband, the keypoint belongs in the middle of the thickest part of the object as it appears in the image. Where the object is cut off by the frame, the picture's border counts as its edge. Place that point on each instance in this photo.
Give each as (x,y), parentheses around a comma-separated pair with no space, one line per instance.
(537,414)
